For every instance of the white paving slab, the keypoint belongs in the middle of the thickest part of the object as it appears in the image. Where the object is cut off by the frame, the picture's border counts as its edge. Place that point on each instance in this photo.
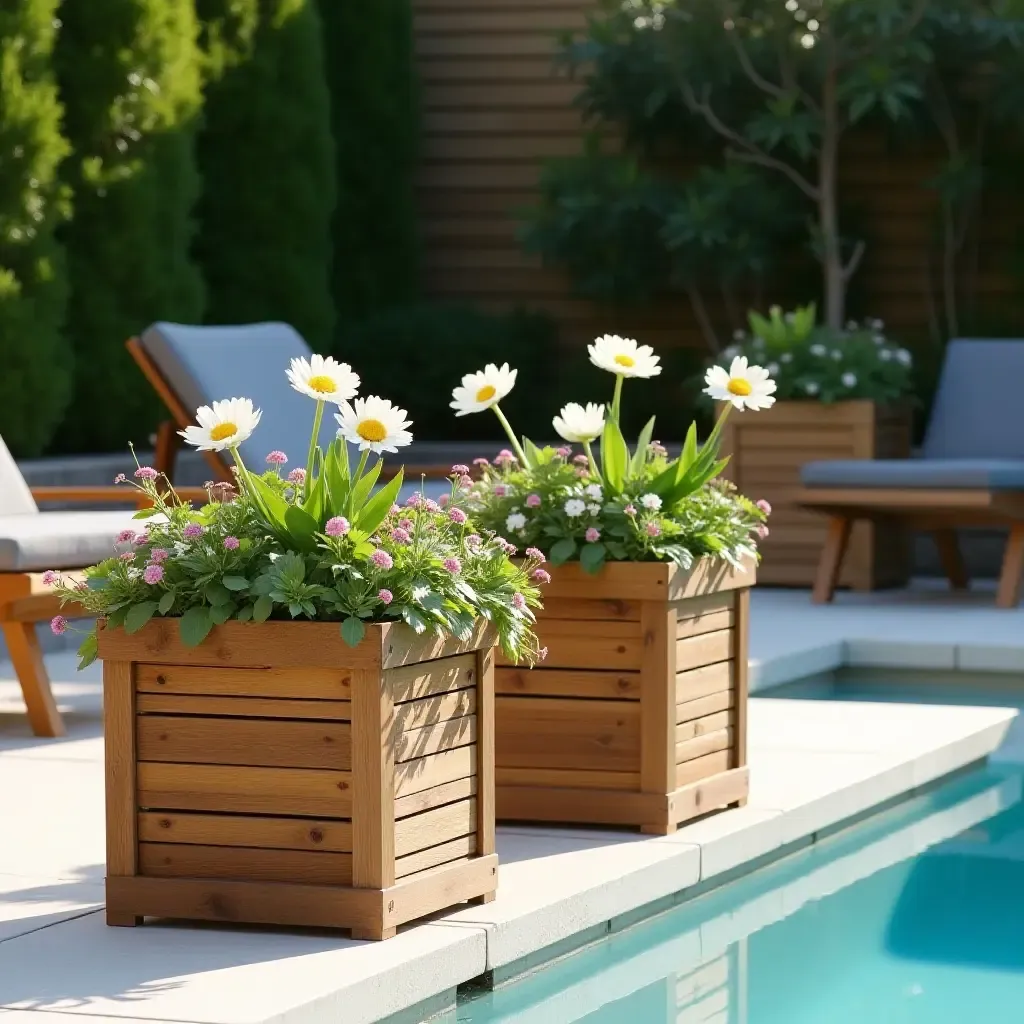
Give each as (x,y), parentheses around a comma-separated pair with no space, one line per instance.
(813,764)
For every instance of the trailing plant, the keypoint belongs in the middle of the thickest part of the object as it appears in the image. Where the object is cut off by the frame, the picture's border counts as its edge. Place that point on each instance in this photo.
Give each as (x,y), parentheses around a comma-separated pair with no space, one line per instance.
(322,543)
(619,503)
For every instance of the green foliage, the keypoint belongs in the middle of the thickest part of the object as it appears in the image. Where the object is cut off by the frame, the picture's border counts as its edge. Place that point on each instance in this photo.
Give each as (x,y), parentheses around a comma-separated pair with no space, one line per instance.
(35,379)
(129,80)
(414,355)
(267,160)
(375,119)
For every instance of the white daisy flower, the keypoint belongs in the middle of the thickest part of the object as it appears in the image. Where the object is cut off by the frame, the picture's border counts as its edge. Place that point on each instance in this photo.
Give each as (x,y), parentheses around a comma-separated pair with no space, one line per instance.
(580,423)
(323,378)
(374,424)
(594,491)
(594,509)
(747,387)
(516,521)
(481,390)
(226,425)
(849,380)
(623,357)
(650,501)
(574,507)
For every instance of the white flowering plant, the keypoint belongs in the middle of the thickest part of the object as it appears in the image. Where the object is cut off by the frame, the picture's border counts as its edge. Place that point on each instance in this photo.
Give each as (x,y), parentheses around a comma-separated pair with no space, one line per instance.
(321,543)
(616,503)
(810,362)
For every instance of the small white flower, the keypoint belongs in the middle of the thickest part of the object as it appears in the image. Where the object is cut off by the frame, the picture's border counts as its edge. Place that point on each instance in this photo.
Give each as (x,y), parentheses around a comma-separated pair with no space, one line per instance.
(885,354)
(786,357)
(180,547)
(811,388)
(374,424)
(849,380)
(481,390)
(324,379)
(516,521)
(747,387)
(579,424)
(594,491)
(650,501)
(574,507)
(817,350)
(226,425)
(594,510)
(623,357)
(134,573)
(904,356)
(837,354)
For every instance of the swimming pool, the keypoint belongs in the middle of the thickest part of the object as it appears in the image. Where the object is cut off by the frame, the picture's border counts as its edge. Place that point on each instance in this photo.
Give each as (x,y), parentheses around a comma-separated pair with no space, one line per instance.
(915,916)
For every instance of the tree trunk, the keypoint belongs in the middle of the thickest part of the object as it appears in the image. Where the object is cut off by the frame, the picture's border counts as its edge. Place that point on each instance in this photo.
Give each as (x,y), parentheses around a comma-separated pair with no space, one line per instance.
(828,214)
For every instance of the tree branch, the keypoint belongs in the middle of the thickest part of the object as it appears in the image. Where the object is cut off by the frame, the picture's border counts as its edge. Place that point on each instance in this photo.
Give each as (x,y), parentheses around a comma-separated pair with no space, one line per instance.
(750,71)
(747,150)
(854,261)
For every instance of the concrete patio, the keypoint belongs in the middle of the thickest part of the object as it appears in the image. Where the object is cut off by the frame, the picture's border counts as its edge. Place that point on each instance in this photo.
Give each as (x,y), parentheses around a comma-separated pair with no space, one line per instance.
(814,765)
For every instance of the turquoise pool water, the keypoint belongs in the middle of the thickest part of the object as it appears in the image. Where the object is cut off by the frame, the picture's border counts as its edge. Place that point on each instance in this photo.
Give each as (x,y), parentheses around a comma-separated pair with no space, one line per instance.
(915,916)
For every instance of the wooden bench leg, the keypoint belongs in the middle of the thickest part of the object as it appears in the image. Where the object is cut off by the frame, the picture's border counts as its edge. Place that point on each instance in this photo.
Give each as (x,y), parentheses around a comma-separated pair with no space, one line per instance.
(27,658)
(951,558)
(1008,595)
(831,562)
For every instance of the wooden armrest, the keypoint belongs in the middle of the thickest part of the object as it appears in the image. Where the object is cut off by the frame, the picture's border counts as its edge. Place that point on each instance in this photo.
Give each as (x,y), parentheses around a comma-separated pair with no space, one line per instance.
(103,494)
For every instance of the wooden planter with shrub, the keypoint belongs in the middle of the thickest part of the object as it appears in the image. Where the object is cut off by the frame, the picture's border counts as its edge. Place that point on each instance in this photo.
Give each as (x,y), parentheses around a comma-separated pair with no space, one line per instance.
(275,775)
(638,714)
(768,450)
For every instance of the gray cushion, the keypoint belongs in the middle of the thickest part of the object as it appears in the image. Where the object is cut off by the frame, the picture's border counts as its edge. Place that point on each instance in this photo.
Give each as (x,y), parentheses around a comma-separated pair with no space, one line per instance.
(206,364)
(977,411)
(15,497)
(60,540)
(943,474)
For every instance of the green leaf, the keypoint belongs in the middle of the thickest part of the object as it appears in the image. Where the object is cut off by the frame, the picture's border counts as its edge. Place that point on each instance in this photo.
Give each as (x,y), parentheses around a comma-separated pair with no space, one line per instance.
(318,501)
(562,550)
(138,615)
(166,602)
(689,454)
(337,473)
(640,455)
(262,608)
(244,613)
(87,650)
(219,614)
(534,456)
(372,514)
(592,557)
(413,619)
(353,631)
(614,457)
(302,528)
(363,486)
(235,582)
(270,503)
(145,513)
(195,626)
(217,594)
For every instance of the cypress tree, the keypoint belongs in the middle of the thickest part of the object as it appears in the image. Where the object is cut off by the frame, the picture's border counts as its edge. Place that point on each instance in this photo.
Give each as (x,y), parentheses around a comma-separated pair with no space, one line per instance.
(129,75)
(35,361)
(266,157)
(375,119)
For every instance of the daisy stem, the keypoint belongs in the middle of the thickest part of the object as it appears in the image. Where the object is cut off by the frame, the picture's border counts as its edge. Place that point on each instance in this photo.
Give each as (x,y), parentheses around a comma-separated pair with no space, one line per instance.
(516,447)
(590,458)
(716,431)
(617,397)
(243,473)
(317,419)
(361,466)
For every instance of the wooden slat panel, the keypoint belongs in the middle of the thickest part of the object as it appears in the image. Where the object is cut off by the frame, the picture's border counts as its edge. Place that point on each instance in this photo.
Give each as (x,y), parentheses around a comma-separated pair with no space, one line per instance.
(245,742)
(235,790)
(554,733)
(657,697)
(430,739)
(414,682)
(703,706)
(431,828)
(431,710)
(577,645)
(545,682)
(456,849)
(705,649)
(434,770)
(704,614)
(567,778)
(580,609)
(169,860)
(242,707)
(701,682)
(701,726)
(709,743)
(246,830)
(704,767)
(119,757)
(447,793)
(440,887)
(484,804)
(282,683)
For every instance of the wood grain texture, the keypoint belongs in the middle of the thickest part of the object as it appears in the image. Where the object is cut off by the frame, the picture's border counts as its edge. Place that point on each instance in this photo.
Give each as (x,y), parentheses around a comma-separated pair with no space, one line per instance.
(444,886)
(456,849)
(546,682)
(242,707)
(247,864)
(431,828)
(279,683)
(431,710)
(704,681)
(447,793)
(486,842)
(431,739)
(582,645)
(425,773)
(741,661)
(374,741)
(330,836)
(657,697)
(119,758)
(704,649)
(415,682)
(568,778)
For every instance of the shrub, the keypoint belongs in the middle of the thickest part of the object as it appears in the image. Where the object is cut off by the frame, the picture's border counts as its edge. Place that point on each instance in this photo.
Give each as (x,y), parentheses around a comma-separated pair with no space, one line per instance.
(266,157)
(374,115)
(35,382)
(129,80)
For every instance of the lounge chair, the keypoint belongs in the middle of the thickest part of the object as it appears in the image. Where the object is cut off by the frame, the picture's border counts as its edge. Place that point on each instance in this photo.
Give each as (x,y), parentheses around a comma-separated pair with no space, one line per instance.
(193,366)
(970,474)
(32,541)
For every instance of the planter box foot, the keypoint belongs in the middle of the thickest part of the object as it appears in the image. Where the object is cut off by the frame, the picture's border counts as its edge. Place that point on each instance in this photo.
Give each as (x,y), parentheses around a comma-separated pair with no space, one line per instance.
(120,919)
(373,934)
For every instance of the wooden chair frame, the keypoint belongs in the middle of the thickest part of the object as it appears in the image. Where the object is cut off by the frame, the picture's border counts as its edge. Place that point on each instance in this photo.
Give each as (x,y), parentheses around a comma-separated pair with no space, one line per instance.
(168,441)
(938,511)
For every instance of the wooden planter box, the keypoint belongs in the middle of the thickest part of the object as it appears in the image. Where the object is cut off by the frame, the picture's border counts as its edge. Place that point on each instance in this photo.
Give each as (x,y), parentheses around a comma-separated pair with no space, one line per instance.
(638,714)
(274,775)
(768,450)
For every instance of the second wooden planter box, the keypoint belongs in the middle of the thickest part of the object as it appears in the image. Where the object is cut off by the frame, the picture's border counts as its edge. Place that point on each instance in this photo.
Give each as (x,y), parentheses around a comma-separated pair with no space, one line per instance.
(638,714)
(274,775)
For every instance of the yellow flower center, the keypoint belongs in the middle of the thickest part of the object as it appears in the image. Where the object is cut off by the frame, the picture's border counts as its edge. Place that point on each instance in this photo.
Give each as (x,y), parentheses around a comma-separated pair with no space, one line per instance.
(372,430)
(323,384)
(739,386)
(223,430)
(624,360)
(486,393)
